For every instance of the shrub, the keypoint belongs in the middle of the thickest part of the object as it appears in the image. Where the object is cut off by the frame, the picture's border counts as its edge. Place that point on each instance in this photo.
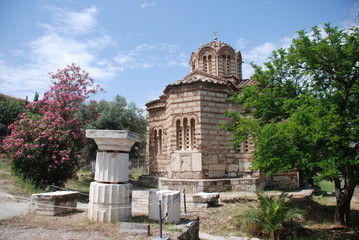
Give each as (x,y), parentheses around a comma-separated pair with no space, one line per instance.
(268,219)
(44,143)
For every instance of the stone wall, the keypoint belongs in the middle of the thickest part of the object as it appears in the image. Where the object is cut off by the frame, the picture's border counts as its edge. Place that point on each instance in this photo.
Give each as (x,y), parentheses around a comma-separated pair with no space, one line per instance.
(288,180)
(183,136)
(210,154)
(211,185)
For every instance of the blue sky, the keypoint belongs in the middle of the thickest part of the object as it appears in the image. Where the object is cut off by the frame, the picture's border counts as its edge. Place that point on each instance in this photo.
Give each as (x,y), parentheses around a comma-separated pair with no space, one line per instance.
(135,48)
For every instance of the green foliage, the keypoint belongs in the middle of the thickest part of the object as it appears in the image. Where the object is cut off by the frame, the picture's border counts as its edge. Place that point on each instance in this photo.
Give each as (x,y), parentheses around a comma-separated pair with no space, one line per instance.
(326,186)
(303,111)
(114,115)
(44,144)
(135,173)
(268,219)
(10,108)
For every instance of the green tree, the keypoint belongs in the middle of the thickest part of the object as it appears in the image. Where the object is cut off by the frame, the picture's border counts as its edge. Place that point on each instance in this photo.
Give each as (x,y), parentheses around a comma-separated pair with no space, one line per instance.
(303,111)
(113,115)
(9,111)
(36,97)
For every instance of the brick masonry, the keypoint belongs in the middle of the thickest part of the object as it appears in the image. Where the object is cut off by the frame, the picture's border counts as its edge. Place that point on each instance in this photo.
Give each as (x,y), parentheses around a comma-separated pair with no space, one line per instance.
(183,136)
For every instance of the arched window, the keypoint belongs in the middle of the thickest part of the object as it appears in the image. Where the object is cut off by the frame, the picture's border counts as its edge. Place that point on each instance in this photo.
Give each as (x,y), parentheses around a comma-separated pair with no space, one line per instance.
(224,64)
(228,65)
(159,142)
(178,135)
(205,64)
(185,134)
(155,142)
(209,64)
(193,132)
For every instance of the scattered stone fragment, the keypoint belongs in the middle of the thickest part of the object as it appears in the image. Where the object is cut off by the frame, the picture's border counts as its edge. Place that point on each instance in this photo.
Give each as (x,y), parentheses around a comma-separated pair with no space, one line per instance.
(135,228)
(205,200)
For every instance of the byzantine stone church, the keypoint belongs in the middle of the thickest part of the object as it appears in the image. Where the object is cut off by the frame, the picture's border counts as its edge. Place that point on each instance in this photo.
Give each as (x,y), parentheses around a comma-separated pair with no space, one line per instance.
(185,147)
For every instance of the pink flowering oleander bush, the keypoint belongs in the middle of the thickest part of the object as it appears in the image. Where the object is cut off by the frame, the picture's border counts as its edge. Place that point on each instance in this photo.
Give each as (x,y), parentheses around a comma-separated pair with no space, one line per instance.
(45,142)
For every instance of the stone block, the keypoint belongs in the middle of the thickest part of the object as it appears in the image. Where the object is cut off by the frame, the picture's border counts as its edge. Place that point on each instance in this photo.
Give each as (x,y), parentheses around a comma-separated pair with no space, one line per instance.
(211,159)
(175,162)
(110,202)
(196,162)
(186,163)
(216,174)
(170,202)
(204,197)
(113,140)
(217,167)
(135,228)
(112,167)
(233,168)
(55,203)
(190,231)
(104,213)
(110,193)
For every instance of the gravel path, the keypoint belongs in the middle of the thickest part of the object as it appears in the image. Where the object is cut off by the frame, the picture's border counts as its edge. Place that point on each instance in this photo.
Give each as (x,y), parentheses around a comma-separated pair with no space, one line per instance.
(11,206)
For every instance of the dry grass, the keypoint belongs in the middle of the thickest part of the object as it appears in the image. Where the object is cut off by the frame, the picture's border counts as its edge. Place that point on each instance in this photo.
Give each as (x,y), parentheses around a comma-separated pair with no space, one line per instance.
(78,225)
(223,220)
(317,223)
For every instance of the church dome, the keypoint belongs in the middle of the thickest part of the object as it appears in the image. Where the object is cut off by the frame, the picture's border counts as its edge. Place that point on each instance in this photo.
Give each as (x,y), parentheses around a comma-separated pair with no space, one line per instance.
(215,45)
(219,59)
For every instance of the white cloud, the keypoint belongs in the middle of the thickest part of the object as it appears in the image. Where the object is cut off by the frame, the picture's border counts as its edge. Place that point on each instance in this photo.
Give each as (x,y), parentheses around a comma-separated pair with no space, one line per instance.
(65,40)
(146,56)
(242,43)
(353,18)
(74,23)
(148,4)
(260,54)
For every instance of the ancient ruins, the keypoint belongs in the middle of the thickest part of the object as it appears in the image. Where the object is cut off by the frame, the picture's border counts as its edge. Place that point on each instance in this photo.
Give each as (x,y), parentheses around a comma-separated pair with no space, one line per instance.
(185,147)
(110,193)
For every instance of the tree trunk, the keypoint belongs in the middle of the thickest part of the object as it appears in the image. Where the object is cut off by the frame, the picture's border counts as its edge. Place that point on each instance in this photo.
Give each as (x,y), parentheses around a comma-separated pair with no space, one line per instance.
(344,197)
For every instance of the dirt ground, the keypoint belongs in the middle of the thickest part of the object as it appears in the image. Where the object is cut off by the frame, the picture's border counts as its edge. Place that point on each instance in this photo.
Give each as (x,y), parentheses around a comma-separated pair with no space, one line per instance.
(214,222)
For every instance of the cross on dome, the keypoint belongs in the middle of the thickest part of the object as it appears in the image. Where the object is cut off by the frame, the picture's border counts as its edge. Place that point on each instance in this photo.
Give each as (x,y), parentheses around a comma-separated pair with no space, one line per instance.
(215,35)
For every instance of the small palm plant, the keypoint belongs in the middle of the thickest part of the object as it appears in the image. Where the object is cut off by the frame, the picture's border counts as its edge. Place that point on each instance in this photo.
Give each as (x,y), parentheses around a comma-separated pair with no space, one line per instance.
(268,218)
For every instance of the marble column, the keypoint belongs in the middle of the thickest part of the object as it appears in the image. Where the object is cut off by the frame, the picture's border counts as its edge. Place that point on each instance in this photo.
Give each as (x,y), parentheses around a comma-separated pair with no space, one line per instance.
(110,193)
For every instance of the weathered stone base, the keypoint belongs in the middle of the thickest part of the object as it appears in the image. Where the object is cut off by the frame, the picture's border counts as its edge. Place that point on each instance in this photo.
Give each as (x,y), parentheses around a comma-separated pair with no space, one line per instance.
(106,213)
(55,203)
(211,185)
(110,202)
(110,193)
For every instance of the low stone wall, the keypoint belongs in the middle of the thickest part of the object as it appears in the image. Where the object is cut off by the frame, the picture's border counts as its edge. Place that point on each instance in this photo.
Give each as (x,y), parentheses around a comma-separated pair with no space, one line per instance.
(210,185)
(288,180)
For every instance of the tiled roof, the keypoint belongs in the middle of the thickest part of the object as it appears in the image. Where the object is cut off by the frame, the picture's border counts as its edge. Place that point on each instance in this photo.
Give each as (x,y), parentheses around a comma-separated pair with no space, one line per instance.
(215,44)
(246,82)
(195,76)
(198,76)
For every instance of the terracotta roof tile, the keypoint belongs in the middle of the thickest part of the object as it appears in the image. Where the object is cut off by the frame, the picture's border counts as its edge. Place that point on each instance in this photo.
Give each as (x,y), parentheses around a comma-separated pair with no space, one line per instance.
(246,82)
